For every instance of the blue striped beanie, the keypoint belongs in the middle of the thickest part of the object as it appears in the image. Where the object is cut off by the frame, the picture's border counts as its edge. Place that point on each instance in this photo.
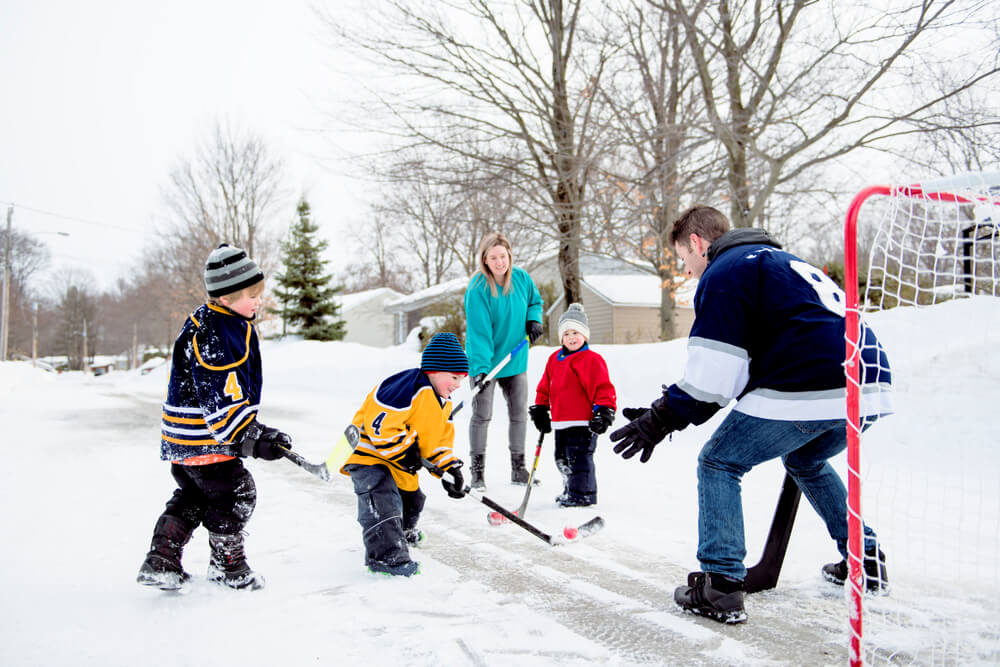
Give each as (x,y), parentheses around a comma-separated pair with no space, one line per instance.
(444,353)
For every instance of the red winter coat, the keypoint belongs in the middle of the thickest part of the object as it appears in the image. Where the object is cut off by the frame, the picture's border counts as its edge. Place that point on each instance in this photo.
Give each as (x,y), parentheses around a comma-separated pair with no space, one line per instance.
(572,384)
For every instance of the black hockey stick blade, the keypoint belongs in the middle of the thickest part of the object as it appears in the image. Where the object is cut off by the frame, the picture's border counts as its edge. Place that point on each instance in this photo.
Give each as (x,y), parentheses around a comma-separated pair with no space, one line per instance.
(318,469)
(764,575)
(588,528)
(500,509)
(341,452)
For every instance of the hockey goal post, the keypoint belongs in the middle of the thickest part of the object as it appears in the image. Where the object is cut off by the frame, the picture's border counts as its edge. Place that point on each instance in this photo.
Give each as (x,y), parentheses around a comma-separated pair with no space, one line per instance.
(927,244)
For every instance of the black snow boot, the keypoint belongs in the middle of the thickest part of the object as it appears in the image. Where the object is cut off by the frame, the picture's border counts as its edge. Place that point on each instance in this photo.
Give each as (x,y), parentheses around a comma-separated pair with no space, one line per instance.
(518,473)
(876,577)
(478,469)
(162,567)
(712,595)
(228,564)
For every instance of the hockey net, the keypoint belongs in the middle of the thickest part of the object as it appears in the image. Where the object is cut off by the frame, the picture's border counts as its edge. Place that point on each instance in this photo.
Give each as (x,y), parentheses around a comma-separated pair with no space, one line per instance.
(927,477)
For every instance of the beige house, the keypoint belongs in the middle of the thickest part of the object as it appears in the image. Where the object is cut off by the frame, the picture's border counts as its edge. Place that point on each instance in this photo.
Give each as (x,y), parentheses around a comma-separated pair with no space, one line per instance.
(622,300)
(365,317)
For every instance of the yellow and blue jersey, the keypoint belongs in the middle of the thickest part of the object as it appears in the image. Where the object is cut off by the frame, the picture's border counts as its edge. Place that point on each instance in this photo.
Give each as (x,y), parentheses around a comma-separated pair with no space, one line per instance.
(401,421)
(214,389)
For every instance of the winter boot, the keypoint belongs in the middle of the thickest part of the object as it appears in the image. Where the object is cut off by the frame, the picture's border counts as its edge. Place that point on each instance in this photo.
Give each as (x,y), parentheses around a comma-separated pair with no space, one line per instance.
(162,567)
(478,469)
(876,577)
(518,473)
(405,569)
(712,595)
(228,563)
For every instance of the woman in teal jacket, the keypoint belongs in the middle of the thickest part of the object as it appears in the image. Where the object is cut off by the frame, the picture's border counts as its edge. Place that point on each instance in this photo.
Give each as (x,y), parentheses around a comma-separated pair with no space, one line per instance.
(502,305)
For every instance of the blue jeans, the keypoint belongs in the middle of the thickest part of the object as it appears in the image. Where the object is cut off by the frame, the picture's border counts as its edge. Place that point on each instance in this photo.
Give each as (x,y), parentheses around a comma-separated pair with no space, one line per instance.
(740,443)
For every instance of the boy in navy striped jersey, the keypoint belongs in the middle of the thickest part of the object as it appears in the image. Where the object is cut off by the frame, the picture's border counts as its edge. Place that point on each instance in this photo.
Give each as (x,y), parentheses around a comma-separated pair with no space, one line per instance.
(768,332)
(209,424)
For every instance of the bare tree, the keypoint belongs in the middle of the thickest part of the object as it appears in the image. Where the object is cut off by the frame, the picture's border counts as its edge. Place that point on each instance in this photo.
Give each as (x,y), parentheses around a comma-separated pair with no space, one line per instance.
(230,191)
(788,86)
(28,256)
(77,309)
(497,85)
(661,157)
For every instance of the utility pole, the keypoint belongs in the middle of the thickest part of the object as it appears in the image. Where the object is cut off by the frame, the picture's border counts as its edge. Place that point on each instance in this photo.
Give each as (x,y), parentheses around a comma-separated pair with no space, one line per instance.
(85,366)
(34,336)
(135,346)
(5,305)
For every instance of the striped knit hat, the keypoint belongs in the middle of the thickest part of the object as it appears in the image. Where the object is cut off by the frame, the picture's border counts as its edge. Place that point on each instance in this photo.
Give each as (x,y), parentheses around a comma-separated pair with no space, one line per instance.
(229,270)
(444,353)
(574,318)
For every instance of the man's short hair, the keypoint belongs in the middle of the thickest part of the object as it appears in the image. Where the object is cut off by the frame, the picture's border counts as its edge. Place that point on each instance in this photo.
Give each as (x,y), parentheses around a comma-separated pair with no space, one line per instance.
(705,221)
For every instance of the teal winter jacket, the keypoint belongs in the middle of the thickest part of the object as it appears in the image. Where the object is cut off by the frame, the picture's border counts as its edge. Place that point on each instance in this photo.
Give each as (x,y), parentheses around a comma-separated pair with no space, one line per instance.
(495,324)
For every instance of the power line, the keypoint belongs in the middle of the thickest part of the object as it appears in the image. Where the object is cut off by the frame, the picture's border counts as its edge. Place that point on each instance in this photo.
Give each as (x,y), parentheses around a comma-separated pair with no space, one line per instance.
(71,217)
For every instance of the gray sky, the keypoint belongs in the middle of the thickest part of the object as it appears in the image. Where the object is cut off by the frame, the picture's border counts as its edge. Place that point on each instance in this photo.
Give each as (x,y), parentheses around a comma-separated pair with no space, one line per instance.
(100,98)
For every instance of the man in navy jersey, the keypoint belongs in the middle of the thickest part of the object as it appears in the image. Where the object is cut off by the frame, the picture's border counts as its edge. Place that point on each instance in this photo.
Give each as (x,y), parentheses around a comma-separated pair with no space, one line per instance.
(768,332)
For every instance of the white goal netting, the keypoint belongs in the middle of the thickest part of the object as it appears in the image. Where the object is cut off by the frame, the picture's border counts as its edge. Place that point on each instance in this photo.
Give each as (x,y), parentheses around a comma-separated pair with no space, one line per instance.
(929,282)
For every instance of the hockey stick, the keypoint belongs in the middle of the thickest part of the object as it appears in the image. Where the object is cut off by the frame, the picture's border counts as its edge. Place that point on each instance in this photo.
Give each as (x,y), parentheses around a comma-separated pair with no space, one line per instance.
(764,575)
(341,451)
(495,518)
(583,530)
(489,376)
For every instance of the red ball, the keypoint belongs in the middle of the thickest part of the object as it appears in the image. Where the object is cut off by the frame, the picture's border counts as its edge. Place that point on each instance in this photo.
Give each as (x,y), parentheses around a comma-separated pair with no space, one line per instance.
(569,532)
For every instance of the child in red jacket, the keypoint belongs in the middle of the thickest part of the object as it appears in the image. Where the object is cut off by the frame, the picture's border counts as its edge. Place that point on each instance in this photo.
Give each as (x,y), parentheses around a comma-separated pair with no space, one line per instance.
(577,389)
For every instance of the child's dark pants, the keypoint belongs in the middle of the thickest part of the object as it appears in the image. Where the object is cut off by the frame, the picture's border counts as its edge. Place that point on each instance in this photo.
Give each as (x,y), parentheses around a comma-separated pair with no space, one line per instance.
(575,459)
(221,496)
(384,511)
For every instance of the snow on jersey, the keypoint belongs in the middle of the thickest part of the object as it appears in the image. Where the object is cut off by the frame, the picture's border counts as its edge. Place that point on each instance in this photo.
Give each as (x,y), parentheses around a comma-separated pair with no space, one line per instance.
(401,421)
(769,331)
(215,385)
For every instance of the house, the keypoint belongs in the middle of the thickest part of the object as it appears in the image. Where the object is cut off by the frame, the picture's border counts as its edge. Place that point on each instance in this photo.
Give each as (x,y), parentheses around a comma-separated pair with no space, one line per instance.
(622,300)
(365,317)
(407,311)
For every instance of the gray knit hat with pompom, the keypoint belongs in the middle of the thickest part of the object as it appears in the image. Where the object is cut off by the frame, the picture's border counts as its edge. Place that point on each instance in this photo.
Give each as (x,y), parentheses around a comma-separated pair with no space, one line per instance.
(574,318)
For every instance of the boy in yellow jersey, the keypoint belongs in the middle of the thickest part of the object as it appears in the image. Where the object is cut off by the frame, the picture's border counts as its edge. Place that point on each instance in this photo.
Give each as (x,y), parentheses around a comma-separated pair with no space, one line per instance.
(209,423)
(404,419)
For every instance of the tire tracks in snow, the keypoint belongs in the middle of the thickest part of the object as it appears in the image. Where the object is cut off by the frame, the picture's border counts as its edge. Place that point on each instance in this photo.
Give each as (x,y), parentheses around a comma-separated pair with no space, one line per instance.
(595,589)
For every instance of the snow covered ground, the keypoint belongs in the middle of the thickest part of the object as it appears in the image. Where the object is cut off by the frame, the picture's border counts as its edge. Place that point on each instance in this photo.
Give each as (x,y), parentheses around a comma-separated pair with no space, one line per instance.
(81,486)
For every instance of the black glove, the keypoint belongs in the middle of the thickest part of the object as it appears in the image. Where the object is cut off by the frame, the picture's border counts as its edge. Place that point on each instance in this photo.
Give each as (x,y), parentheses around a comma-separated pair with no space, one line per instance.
(540,418)
(263,442)
(478,380)
(603,416)
(533,329)
(455,486)
(647,428)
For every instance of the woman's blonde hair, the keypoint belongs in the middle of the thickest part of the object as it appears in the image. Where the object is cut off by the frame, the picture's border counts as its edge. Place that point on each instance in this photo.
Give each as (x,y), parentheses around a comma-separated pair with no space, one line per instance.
(489,242)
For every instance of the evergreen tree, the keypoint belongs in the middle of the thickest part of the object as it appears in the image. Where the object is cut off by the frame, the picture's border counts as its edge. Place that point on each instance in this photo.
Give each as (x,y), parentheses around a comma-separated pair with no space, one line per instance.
(306,300)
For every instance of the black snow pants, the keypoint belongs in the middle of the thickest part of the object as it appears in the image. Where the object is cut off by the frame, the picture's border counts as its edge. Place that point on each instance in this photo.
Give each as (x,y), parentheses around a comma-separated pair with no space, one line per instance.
(384,511)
